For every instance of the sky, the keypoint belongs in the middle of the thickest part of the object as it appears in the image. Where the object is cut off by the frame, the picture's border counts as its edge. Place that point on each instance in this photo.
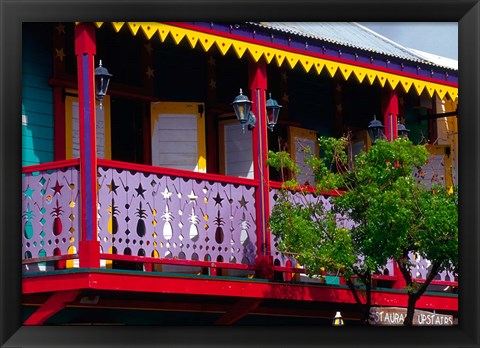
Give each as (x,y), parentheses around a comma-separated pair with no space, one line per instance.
(440,38)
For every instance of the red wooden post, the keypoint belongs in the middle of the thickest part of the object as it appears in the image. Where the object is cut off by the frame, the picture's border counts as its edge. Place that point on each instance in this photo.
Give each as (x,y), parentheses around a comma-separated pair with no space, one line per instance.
(400,282)
(85,49)
(390,107)
(390,113)
(258,88)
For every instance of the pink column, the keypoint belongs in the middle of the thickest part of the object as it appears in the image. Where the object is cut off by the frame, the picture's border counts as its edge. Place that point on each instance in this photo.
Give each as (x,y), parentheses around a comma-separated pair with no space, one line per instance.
(258,87)
(85,49)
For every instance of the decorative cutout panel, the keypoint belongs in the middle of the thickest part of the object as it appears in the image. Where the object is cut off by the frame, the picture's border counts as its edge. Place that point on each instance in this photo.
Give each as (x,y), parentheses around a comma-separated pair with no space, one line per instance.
(50,213)
(422,267)
(164,216)
(341,221)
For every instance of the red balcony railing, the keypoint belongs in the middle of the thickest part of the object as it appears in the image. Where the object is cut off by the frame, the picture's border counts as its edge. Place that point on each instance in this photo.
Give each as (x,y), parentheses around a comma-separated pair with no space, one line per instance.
(159,218)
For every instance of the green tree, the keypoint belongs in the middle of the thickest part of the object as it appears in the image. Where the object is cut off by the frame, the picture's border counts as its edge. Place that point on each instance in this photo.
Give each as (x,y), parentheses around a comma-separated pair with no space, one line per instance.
(390,216)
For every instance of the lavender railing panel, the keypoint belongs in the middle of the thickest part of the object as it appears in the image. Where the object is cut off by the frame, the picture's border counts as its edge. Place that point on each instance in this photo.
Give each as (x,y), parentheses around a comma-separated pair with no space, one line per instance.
(154,215)
(301,198)
(50,206)
(421,265)
(421,268)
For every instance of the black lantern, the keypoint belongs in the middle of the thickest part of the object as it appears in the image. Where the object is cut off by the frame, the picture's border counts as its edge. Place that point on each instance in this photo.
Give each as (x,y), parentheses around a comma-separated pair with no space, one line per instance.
(273,109)
(242,107)
(102,79)
(402,131)
(375,130)
(338,320)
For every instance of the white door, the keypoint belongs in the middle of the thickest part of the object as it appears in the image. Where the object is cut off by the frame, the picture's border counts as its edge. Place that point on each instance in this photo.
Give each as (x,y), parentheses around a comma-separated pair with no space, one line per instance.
(236,152)
(178,136)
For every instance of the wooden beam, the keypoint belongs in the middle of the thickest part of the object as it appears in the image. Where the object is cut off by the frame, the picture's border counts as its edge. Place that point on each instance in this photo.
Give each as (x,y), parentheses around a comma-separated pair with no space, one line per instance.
(55,303)
(440,115)
(238,311)
(136,282)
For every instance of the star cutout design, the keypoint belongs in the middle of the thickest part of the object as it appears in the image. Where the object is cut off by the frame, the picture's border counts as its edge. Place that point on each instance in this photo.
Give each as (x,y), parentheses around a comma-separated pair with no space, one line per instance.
(192,197)
(339,108)
(112,187)
(60,54)
(140,191)
(212,84)
(284,76)
(338,88)
(285,98)
(149,48)
(166,194)
(218,200)
(150,73)
(400,101)
(60,28)
(28,192)
(211,61)
(57,188)
(243,202)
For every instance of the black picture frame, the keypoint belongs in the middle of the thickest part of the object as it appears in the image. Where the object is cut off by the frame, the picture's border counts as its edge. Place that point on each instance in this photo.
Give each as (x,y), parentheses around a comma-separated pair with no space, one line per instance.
(14,13)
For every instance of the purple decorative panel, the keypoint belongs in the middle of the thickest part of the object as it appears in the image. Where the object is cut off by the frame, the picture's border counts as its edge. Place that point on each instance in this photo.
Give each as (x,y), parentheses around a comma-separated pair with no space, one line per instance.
(421,267)
(325,201)
(154,215)
(50,219)
(280,258)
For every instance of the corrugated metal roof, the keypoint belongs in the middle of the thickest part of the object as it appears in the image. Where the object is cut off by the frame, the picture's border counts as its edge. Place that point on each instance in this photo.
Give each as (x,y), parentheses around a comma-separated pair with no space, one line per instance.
(350,34)
(438,60)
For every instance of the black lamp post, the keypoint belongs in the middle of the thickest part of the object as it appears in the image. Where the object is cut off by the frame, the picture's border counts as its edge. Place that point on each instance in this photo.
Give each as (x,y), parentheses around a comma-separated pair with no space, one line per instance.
(375,130)
(102,79)
(273,109)
(242,107)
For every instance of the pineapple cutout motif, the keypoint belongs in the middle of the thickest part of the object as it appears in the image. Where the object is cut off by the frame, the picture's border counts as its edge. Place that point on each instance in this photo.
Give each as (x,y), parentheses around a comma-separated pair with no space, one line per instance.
(167,226)
(112,220)
(141,214)
(219,235)
(28,215)
(57,222)
(244,226)
(194,220)
(167,216)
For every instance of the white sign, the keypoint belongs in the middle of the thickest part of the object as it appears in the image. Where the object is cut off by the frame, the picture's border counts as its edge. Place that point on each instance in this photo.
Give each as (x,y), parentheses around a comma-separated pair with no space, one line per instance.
(396,315)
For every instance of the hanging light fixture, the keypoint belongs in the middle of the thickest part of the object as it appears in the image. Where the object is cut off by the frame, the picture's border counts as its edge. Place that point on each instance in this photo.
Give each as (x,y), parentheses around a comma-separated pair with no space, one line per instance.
(242,107)
(375,130)
(273,110)
(338,320)
(102,79)
(402,131)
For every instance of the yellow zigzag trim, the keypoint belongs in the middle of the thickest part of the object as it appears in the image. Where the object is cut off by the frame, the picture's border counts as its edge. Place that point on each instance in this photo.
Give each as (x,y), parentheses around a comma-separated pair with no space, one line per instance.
(256,51)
